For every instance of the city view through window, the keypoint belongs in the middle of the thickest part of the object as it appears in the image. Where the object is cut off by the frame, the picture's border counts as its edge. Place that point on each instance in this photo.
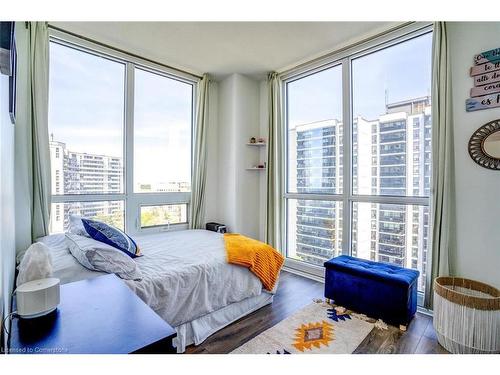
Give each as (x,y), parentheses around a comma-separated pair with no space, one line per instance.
(390,159)
(87,135)
(81,173)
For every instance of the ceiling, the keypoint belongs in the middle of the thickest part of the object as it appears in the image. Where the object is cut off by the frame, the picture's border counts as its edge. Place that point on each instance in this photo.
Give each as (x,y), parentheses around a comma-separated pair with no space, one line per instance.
(222,48)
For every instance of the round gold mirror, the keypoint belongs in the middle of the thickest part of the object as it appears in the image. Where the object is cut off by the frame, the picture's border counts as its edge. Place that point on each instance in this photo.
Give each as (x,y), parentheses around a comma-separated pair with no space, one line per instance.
(491,145)
(484,145)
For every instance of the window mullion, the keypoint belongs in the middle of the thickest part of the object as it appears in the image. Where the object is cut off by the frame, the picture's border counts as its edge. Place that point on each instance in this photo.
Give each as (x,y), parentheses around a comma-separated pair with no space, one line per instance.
(318,197)
(131,209)
(404,200)
(347,170)
(69,198)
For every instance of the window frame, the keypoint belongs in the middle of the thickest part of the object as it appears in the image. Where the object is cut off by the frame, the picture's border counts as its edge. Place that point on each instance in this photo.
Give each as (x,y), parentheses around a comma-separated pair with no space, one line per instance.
(163,226)
(344,58)
(131,201)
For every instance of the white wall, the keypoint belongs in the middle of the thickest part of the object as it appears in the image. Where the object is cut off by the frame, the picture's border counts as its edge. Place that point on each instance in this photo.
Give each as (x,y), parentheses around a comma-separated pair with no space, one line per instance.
(478,205)
(239,197)
(7,213)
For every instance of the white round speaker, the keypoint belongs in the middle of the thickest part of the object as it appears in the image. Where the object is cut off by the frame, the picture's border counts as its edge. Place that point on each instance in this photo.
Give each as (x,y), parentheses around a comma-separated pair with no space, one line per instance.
(37,298)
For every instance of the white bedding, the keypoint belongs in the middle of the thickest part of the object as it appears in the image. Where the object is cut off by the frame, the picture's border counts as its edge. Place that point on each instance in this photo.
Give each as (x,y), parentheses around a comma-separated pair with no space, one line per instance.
(186,275)
(64,265)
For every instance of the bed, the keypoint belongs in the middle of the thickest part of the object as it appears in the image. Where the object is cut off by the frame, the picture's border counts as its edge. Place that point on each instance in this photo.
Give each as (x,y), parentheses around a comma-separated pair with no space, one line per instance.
(186,280)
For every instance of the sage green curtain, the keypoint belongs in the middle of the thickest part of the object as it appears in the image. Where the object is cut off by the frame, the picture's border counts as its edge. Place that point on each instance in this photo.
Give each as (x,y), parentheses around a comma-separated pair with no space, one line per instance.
(38,66)
(274,163)
(199,167)
(443,175)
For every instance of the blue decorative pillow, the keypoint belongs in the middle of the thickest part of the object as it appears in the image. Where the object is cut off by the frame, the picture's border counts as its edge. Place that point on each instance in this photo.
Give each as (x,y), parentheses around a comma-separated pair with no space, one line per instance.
(112,236)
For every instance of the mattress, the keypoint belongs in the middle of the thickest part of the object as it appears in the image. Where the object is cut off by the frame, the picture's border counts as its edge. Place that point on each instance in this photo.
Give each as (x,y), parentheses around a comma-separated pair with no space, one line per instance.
(185,275)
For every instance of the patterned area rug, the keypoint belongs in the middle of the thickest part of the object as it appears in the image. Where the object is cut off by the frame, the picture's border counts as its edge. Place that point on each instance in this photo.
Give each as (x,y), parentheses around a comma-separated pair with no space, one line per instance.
(318,328)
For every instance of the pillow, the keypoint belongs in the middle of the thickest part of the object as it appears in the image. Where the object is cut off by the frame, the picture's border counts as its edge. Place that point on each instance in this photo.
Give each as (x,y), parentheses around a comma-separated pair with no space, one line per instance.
(98,256)
(36,264)
(76,226)
(112,236)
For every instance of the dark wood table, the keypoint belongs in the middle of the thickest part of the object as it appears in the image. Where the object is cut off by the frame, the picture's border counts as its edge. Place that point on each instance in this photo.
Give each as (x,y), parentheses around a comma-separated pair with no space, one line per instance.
(99,315)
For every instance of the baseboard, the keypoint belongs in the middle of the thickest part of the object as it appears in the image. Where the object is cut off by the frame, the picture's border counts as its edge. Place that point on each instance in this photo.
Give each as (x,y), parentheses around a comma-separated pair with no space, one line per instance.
(304,274)
(423,310)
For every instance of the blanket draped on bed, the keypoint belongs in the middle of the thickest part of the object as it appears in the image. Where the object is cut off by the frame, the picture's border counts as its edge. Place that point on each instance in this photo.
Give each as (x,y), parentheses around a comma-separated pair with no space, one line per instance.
(260,258)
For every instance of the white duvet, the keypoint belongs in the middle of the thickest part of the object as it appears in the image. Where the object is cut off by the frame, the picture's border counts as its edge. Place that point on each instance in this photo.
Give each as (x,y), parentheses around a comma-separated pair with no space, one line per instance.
(185,274)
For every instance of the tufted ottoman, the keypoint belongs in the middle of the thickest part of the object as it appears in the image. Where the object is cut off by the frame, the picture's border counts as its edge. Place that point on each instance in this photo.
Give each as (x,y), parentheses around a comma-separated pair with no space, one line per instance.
(379,290)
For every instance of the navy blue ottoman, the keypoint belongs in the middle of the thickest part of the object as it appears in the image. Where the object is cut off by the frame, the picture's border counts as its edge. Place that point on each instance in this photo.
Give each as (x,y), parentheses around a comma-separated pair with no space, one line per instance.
(379,290)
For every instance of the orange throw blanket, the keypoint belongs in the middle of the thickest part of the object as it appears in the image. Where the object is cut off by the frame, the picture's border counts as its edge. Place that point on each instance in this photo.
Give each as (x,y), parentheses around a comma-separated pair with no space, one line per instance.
(262,260)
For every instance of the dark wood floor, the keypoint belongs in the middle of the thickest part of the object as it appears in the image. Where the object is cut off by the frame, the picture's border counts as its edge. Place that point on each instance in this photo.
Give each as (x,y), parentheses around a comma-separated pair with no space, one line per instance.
(295,292)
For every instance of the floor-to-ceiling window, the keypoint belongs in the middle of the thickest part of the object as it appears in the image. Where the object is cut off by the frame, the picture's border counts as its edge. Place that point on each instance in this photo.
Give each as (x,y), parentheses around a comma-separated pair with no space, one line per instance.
(120,138)
(358,159)
(315,165)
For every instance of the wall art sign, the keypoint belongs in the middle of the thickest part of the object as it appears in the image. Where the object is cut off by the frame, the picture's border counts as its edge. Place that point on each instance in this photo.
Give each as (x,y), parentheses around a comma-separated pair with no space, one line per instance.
(486,74)
(483,102)
(485,90)
(488,56)
(484,79)
(484,68)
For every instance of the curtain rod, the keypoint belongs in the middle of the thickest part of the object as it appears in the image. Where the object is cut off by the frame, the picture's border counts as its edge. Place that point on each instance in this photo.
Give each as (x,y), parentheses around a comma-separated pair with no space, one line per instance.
(121,51)
(346,47)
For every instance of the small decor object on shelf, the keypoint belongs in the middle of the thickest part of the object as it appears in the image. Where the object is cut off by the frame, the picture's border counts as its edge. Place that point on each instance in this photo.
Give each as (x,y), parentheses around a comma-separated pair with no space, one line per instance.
(466,315)
(256,142)
(262,166)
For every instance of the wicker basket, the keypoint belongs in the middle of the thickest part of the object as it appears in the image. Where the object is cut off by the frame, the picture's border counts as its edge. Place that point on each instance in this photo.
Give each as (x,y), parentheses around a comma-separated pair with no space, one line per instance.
(466,315)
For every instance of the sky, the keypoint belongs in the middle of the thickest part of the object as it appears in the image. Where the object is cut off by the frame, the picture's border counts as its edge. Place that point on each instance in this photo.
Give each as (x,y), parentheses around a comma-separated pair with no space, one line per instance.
(86,111)
(402,71)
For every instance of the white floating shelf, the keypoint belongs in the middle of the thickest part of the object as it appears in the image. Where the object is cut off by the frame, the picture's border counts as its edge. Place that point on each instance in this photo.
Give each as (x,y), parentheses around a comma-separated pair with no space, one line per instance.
(256,144)
(256,169)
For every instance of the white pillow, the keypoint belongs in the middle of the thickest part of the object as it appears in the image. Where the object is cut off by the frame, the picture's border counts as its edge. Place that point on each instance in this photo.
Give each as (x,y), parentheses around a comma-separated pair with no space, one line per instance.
(98,256)
(76,226)
(36,264)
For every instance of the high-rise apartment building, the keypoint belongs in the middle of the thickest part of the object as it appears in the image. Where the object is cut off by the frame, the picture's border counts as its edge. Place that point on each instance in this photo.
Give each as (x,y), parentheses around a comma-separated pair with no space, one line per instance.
(391,156)
(82,173)
(317,224)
